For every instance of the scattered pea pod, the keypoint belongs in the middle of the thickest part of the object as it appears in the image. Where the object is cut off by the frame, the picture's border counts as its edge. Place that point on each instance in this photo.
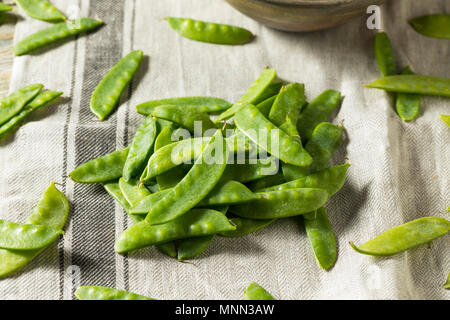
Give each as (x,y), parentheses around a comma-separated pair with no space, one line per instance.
(201,104)
(16,101)
(195,223)
(54,34)
(41,100)
(288,102)
(210,32)
(4,7)
(316,112)
(282,204)
(108,92)
(105,293)
(321,237)
(186,194)
(256,292)
(41,10)
(408,104)
(446,118)
(426,85)
(140,149)
(19,236)
(193,247)
(103,169)
(288,149)
(245,226)
(52,211)
(447,283)
(256,91)
(405,236)
(384,55)
(433,25)
(187,117)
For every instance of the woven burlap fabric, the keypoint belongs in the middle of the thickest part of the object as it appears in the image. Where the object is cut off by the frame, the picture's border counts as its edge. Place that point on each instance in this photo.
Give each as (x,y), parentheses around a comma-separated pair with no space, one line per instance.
(399,171)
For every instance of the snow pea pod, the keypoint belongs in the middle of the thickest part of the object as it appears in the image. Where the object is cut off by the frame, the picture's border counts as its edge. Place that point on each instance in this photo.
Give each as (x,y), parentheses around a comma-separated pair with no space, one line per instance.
(185,117)
(195,223)
(140,149)
(105,293)
(52,211)
(253,94)
(185,195)
(247,172)
(270,138)
(384,55)
(54,34)
(288,102)
(407,104)
(193,247)
(168,248)
(433,25)
(231,192)
(331,179)
(210,32)
(108,92)
(324,142)
(245,226)
(426,85)
(282,204)
(103,169)
(4,7)
(133,191)
(256,292)
(447,283)
(114,191)
(271,90)
(316,112)
(321,237)
(265,106)
(267,181)
(19,236)
(201,104)
(405,236)
(41,10)
(146,204)
(16,101)
(446,118)
(41,100)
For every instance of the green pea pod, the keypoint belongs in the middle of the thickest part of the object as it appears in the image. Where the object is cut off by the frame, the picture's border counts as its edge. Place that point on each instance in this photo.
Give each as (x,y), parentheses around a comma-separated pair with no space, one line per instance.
(41,10)
(288,102)
(54,34)
(41,100)
(114,191)
(184,151)
(447,283)
(282,204)
(323,144)
(133,191)
(186,117)
(231,192)
(185,195)
(245,226)
(407,104)
(4,7)
(446,119)
(405,236)
(256,292)
(19,236)
(105,293)
(195,223)
(146,204)
(321,237)
(316,112)
(257,90)
(290,128)
(140,149)
(433,25)
(247,172)
(209,32)
(168,248)
(331,179)
(108,92)
(193,247)
(103,169)
(265,106)
(271,90)
(384,55)
(267,182)
(51,211)
(426,85)
(16,101)
(275,141)
(201,104)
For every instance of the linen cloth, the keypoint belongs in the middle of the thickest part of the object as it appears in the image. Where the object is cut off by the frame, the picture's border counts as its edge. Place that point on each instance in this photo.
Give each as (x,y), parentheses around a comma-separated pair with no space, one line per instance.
(399,171)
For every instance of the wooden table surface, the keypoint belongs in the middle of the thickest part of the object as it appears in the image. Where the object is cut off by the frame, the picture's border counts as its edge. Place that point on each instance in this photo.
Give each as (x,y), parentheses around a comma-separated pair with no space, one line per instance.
(7,26)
